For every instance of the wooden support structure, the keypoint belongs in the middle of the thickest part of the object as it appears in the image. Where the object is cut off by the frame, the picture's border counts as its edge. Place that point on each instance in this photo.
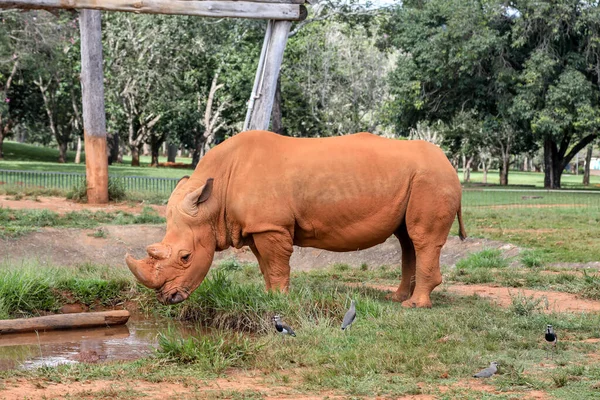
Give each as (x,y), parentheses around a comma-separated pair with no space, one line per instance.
(64,321)
(260,104)
(268,9)
(94,118)
(280,13)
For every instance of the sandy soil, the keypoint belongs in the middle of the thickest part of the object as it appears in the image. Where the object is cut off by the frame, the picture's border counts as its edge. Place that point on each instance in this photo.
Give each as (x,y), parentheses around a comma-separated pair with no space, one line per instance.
(502,296)
(62,205)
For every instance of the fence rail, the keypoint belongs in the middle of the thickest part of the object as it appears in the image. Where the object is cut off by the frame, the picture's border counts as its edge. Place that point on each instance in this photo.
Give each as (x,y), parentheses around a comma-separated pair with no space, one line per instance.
(67,180)
(530,198)
(472,197)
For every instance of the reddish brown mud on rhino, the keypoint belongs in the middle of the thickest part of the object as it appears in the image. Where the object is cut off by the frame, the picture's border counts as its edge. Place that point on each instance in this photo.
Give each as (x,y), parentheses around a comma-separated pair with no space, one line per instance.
(270,192)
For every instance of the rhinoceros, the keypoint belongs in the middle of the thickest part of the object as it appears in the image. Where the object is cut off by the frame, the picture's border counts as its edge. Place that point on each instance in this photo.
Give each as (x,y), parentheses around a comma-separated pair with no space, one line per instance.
(270,192)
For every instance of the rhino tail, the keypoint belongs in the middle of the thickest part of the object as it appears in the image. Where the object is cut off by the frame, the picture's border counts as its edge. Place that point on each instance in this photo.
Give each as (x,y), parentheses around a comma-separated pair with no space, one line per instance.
(462,233)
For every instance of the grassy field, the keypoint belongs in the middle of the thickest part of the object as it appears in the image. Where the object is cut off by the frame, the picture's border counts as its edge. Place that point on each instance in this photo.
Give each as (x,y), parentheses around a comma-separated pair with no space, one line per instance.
(15,223)
(390,351)
(35,158)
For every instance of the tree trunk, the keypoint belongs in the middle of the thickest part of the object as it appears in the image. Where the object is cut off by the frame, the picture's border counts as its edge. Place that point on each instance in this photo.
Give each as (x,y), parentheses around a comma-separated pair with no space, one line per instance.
(1,145)
(62,152)
(552,167)
(171,153)
(154,150)
(588,161)
(135,156)
(78,154)
(526,164)
(504,169)
(276,115)
(113,147)
(467,168)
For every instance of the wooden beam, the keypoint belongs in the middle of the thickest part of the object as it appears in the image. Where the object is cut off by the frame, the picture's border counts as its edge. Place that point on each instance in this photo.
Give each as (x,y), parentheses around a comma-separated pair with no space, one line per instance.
(64,321)
(267,84)
(92,96)
(211,8)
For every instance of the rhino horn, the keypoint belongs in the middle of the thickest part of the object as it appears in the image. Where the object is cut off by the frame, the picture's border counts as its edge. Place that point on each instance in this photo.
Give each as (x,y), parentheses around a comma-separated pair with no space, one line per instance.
(143,271)
(159,251)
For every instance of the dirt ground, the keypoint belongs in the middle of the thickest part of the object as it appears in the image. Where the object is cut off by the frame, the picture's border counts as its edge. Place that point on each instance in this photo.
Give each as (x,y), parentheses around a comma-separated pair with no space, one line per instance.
(68,247)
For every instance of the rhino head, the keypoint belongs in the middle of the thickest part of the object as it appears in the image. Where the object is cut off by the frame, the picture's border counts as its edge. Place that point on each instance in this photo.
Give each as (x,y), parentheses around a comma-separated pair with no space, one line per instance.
(176,266)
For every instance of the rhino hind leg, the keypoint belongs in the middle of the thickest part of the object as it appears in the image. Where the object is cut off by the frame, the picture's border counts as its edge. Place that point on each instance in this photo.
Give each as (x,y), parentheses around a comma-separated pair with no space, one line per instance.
(274,251)
(263,266)
(428,222)
(409,266)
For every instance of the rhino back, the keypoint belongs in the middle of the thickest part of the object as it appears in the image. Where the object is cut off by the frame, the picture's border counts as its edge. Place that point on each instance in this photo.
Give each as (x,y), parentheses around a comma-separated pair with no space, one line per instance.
(340,193)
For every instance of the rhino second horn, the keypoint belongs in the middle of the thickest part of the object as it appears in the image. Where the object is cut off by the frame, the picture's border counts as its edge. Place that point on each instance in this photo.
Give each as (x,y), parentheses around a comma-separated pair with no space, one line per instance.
(143,271)
(159,251)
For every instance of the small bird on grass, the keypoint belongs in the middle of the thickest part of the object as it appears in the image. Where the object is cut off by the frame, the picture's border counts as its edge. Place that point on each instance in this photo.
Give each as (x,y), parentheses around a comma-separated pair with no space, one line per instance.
(489,371)
(349,316)
(283,329)
(551,338)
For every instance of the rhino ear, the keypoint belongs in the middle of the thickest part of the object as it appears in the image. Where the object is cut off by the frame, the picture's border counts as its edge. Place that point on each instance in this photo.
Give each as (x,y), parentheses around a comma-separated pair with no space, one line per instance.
(191,201)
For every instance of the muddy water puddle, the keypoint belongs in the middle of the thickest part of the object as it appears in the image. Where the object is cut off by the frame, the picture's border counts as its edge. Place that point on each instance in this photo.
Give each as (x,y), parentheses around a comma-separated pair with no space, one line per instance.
(135,340)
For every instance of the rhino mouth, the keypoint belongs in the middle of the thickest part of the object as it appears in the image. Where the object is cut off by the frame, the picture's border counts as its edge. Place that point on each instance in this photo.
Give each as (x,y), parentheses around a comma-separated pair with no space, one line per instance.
(172,297)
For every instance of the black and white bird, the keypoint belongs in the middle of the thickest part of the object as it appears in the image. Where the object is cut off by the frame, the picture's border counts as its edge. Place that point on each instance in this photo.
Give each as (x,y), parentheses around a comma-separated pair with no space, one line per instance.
(283,328)
(349,316)
(489,371)
(551,337)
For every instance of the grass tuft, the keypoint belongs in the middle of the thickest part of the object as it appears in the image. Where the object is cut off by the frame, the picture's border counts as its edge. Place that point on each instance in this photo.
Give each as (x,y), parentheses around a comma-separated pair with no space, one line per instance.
(488,258)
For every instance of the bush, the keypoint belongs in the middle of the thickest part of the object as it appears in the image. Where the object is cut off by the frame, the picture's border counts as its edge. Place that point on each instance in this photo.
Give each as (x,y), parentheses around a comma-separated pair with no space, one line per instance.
(116,190)
(532,259)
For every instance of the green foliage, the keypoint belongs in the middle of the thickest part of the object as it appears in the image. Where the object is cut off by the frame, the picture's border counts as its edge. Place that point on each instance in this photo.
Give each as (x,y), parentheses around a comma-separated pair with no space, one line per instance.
(29,290)
(488,258)
(116,190)
(527,305)
(23,292)
(215,352)
(532,258)
(14,223)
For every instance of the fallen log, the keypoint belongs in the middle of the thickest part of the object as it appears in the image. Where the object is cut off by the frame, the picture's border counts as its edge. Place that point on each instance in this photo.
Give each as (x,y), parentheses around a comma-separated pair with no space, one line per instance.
(64,321)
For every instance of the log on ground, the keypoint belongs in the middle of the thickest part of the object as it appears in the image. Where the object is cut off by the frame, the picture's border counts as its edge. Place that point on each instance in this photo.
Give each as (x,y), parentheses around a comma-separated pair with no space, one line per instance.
(64,321)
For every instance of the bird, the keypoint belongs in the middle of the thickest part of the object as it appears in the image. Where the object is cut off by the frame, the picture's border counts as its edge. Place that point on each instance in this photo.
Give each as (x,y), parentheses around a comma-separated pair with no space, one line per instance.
(283,328)
(551,337)
(489,371)
(349,316)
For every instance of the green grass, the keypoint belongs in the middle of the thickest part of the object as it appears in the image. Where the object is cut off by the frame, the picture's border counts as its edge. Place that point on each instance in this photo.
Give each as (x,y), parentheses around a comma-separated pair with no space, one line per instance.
(28,157)
(586,284)
(535,179)
(14,223)
(28,290)
(388,350)
(488,258)
(562,234)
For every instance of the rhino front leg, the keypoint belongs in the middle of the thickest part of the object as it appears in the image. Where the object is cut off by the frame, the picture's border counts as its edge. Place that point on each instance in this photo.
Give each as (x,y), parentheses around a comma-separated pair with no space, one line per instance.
(275,250)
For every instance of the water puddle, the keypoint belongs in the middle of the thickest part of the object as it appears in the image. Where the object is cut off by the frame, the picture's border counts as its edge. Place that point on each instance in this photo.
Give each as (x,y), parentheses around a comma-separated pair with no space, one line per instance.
(135,340)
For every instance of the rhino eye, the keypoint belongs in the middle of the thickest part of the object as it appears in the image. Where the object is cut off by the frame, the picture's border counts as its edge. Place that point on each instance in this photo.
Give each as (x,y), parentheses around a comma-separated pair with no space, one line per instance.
(186,258)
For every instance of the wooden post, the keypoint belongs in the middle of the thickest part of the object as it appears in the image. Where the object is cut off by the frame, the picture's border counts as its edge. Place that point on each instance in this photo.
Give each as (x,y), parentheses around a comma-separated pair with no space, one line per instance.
(267,80)
(94,119)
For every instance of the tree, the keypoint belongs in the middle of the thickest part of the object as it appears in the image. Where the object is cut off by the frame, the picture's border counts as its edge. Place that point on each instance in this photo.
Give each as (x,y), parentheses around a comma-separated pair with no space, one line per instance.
(56,75)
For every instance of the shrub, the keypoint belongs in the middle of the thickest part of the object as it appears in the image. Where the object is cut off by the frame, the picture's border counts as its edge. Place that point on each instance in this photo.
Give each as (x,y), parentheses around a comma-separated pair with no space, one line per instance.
(116,190)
